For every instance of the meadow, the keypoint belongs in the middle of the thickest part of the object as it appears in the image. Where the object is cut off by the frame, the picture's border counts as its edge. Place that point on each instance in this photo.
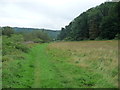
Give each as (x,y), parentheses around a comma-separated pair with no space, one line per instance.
(82,64)
(87,63)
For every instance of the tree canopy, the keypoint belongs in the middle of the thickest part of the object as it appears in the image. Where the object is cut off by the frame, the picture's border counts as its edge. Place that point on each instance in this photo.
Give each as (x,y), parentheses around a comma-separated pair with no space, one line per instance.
(100,22)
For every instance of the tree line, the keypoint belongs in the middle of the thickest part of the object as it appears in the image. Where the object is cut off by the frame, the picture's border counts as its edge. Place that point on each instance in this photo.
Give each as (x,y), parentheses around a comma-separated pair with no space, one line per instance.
(97,23)
(35,36)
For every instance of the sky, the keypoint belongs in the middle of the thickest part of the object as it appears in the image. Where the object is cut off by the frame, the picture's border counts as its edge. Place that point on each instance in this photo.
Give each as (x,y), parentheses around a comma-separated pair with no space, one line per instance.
(48,14)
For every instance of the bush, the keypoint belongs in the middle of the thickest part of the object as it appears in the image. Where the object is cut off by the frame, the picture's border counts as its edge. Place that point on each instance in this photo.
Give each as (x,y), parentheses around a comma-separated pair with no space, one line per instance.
(22,47)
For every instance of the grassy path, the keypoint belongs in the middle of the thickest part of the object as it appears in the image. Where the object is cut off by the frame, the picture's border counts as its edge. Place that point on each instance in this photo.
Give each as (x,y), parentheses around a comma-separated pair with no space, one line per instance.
(44,75)
(39,56)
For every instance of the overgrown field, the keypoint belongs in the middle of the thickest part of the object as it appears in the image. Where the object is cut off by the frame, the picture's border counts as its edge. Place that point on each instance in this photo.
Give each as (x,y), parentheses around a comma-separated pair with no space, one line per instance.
(87,63)
(84,64)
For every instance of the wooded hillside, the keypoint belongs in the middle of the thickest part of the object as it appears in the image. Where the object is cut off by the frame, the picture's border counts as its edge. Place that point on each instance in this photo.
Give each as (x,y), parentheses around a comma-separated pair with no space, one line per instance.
(100,22)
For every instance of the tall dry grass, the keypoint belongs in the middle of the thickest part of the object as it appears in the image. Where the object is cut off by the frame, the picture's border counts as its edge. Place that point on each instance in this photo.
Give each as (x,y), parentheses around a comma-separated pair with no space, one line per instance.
(96,56)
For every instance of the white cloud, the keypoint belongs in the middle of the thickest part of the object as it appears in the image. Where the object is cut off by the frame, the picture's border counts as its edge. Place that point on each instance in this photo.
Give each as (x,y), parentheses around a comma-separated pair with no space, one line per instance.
(51,14)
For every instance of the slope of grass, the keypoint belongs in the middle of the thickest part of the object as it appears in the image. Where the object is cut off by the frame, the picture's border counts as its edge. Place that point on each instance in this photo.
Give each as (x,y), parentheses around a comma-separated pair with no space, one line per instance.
(18,73)
(17,70)
(15,67)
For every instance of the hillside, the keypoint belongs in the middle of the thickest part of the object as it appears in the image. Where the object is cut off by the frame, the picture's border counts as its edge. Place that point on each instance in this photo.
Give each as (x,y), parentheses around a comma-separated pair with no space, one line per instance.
(52,33)
(100,22)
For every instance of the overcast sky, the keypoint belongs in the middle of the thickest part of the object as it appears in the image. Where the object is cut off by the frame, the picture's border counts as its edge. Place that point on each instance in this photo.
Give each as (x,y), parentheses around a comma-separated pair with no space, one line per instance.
(49,14)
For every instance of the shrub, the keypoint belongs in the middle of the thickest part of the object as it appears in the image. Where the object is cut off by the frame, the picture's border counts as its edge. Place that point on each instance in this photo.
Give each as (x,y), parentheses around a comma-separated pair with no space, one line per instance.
(37,40)
(22,47)
(13,43)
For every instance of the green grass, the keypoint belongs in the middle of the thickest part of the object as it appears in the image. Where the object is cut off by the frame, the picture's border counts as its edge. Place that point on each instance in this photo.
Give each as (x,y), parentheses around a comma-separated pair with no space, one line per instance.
(18,73)
(88,64)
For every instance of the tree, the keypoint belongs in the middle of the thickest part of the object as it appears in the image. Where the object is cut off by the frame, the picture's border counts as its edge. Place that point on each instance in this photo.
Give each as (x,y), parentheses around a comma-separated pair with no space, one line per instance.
(110,25)
(7,31)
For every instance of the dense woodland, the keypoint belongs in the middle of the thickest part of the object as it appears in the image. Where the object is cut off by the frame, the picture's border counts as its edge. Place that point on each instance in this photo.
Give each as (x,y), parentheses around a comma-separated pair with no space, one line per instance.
(97,23)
